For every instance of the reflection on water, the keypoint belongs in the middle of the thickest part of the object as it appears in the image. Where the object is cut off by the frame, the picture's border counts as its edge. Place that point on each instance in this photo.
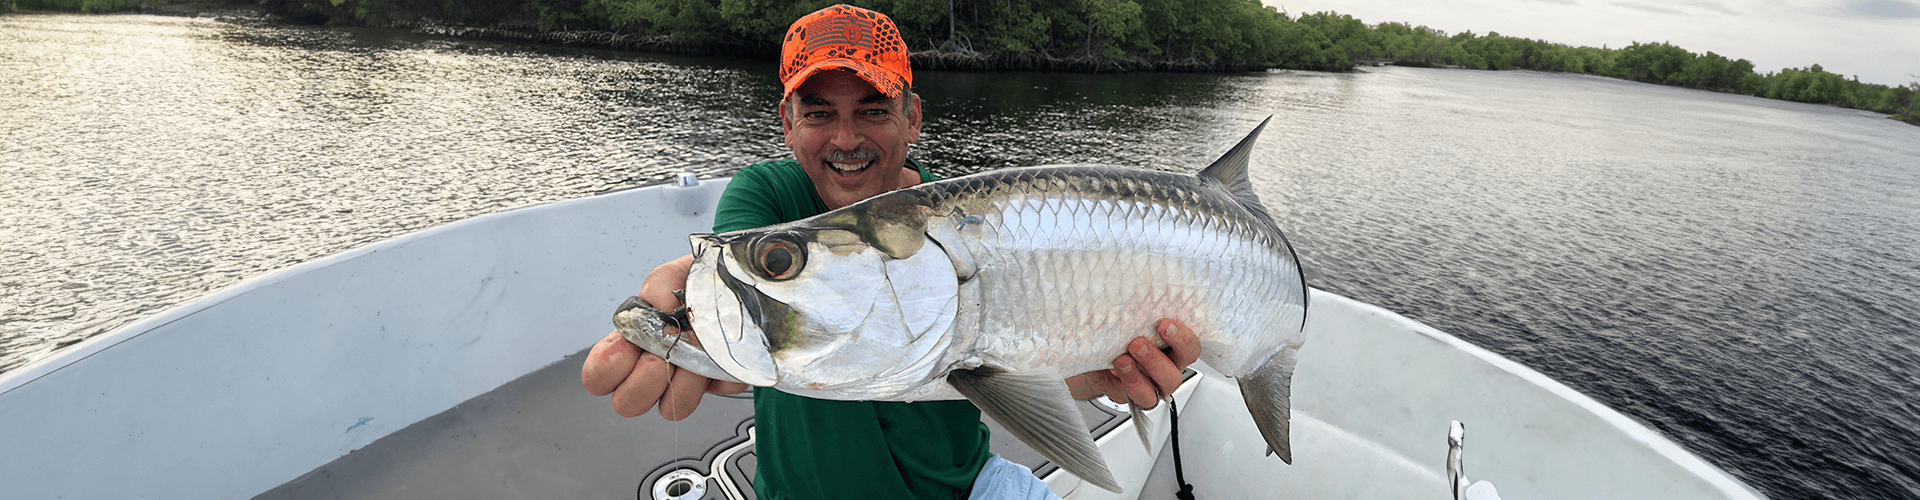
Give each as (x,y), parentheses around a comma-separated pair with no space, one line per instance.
(150,160)
(1735,271)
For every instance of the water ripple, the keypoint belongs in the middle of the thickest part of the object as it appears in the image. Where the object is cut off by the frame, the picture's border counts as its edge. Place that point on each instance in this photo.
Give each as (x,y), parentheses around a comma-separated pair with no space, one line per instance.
(1737,272)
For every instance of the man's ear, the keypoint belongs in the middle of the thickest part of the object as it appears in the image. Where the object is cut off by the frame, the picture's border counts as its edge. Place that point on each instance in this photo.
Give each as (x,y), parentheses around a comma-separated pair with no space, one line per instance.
(913,119)
(786,120)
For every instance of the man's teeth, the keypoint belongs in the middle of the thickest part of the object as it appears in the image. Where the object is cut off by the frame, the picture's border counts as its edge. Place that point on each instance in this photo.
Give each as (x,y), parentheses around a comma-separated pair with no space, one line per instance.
(850,167)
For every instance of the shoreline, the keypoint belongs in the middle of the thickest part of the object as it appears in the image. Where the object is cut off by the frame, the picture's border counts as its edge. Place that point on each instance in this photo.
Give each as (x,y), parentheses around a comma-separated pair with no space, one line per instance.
(542,28)
(527,30)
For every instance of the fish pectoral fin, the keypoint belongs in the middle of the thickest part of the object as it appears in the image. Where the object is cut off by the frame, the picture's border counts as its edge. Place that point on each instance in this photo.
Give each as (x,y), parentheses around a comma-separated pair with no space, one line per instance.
(1142,426)
(1037,406)
(1268,392)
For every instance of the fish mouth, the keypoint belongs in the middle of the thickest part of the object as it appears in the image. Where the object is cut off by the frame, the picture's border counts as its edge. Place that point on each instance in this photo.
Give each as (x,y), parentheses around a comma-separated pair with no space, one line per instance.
(645,326)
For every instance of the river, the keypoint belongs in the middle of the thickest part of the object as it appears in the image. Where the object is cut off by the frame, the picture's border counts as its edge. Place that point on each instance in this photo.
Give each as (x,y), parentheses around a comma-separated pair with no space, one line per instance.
(1739,273)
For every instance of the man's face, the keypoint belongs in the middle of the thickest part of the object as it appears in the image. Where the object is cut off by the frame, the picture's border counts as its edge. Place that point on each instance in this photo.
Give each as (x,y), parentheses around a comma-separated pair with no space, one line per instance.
(850,138)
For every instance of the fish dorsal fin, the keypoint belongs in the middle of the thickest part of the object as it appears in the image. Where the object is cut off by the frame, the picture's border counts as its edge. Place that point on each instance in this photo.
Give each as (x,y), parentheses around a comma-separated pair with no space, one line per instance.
(1037,406)
(1231,170)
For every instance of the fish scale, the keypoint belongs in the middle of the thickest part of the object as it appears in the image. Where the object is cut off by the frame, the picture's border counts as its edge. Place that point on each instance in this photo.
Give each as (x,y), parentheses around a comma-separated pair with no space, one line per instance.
(1074,269)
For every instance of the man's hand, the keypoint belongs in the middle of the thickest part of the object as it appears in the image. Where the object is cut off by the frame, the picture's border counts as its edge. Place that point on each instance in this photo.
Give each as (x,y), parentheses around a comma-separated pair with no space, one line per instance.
(1144,373)
(638,379)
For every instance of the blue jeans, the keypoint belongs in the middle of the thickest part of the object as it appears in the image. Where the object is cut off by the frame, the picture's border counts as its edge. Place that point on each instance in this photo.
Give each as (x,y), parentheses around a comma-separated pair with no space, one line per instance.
(1004,480)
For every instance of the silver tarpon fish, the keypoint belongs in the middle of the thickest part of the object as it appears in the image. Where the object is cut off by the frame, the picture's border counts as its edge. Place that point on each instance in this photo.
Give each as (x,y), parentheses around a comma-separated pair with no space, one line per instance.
(994,287)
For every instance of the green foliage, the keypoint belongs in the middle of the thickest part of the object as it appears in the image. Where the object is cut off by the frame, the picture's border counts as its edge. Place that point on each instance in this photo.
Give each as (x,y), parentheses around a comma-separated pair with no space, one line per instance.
(549,15)
(1111,20)
(1905,102)
(1652,62)
(74,5)
(1815,85)
(1416,45)
(1169,34)
(1023,30)
(693,19)
(1711,72)
(1348,40)
(1193,35)
(1659,63)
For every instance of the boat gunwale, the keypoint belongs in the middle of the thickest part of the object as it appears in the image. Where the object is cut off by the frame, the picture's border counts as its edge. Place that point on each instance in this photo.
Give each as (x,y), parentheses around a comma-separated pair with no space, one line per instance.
(67,356)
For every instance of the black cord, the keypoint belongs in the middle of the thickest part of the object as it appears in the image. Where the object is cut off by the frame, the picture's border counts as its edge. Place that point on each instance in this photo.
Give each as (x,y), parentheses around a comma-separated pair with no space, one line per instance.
(1179,471)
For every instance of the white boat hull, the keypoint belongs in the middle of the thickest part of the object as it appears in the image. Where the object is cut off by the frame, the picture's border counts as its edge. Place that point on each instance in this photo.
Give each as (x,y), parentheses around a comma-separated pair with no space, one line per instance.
(449,359)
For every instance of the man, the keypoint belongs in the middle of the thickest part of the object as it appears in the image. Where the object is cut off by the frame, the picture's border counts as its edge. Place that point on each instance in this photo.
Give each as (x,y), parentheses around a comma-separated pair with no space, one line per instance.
(849,115)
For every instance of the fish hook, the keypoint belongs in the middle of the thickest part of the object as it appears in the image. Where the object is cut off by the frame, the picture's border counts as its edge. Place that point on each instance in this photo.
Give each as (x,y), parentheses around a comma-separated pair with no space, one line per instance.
(679,319)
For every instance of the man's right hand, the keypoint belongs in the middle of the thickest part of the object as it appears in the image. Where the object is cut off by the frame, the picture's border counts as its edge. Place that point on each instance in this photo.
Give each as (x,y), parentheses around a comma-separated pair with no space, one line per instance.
(638,379)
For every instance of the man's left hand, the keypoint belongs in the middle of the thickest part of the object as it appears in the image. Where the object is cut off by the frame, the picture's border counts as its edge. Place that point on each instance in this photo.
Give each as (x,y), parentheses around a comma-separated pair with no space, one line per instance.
(1144,373)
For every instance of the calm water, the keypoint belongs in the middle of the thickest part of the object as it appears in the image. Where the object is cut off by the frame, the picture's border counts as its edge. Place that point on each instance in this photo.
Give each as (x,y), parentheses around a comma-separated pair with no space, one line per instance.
(1740,273)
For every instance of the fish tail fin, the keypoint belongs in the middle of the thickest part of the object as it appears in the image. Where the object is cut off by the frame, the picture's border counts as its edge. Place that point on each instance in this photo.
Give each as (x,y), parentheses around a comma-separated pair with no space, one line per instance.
(1231,171)
(1268,392)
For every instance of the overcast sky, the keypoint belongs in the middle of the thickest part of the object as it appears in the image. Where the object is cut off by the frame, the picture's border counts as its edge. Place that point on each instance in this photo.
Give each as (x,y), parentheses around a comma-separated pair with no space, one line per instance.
(1877,40)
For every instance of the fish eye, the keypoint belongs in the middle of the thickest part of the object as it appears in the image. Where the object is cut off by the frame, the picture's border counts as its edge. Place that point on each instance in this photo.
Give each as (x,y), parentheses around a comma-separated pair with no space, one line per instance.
(778,257)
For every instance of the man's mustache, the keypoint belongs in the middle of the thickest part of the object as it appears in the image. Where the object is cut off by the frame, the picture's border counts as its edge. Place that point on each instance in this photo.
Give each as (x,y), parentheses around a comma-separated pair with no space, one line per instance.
(862,154)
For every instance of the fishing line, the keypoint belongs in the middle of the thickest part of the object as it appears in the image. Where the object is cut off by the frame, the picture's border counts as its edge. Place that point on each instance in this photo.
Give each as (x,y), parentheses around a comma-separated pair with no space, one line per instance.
(676,425)
(1179,470)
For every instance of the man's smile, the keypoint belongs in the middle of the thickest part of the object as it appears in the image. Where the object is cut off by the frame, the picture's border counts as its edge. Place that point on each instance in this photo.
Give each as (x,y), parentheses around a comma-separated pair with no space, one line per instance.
(852,169)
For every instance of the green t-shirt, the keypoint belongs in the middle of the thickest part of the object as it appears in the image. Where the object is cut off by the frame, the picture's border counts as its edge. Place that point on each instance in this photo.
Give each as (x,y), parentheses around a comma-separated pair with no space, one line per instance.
(819,449)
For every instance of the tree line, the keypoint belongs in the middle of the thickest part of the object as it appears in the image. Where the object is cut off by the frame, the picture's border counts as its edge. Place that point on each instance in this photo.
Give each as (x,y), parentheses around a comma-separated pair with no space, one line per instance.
(1095,35)
(1659,63)
(70,5)
(1085,35)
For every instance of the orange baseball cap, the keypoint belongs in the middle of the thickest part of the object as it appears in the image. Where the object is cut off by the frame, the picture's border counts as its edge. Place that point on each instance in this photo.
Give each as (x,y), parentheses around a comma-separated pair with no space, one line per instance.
(850,38)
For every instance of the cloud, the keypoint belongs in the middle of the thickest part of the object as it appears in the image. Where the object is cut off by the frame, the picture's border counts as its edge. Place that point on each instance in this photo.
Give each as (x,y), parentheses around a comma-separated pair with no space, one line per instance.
(1892,9)
(1674,8)
(1713,6)
(1647,7)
